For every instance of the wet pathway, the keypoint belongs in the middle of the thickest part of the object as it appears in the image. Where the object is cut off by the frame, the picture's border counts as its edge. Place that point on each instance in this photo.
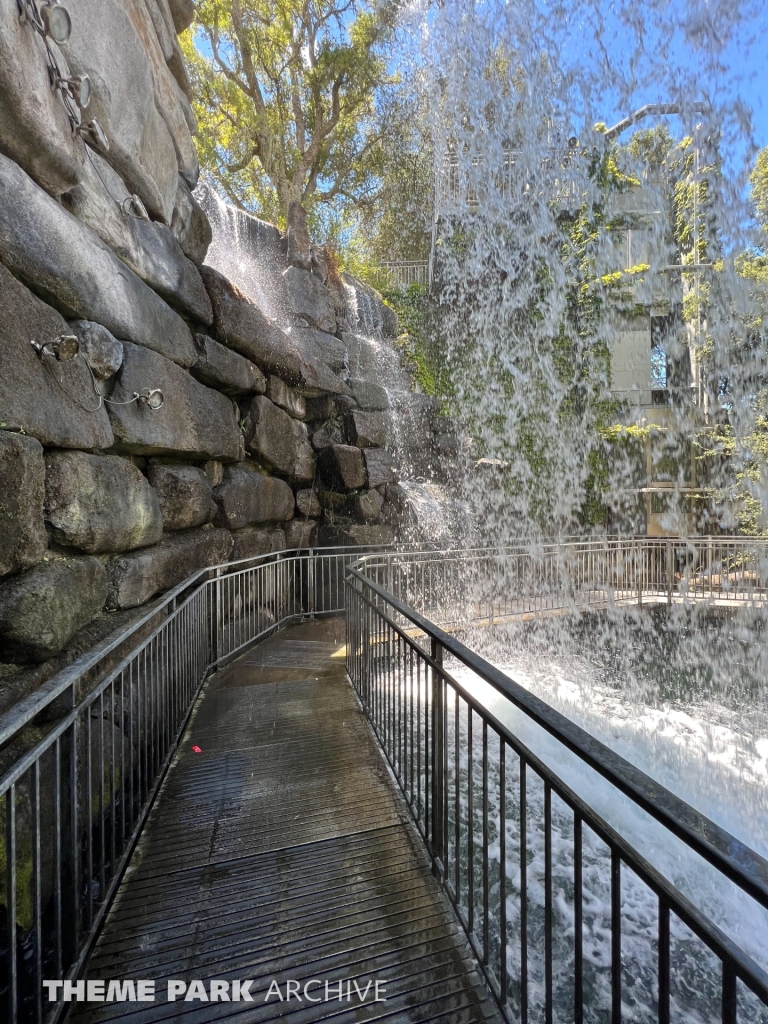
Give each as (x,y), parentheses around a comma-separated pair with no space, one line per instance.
(282,854)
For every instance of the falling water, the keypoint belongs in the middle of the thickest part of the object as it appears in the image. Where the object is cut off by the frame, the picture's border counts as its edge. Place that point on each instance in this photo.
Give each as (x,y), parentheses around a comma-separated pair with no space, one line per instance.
(247,251)
(250,253)
(364,312)
(563,315)
(544,247)
(433,516)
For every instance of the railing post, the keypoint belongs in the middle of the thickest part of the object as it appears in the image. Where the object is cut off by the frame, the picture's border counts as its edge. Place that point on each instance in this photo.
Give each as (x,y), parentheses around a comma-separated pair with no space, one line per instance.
(439,723)
(218,619)
(670,572)
(311,583)
(710,561)
(365,622)
(639,572)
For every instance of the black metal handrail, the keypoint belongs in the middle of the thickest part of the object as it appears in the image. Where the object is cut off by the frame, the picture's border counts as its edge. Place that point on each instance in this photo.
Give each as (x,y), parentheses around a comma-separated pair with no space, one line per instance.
(729,855)
(99,738)
(460,799)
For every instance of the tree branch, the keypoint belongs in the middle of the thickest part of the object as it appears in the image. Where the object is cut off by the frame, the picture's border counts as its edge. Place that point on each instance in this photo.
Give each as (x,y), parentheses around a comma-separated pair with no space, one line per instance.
(254,89)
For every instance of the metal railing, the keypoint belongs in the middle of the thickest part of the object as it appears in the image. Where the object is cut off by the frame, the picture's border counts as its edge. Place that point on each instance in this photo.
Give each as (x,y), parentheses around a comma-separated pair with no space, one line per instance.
(403,273)
(85,755)
(490,585)
(465,182)
(523,858)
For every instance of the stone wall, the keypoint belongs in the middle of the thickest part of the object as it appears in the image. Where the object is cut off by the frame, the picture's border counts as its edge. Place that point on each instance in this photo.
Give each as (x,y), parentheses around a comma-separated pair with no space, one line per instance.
(267,437)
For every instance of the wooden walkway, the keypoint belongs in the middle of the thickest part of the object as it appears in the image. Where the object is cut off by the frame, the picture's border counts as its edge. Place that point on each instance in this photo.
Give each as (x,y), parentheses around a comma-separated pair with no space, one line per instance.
(282,851)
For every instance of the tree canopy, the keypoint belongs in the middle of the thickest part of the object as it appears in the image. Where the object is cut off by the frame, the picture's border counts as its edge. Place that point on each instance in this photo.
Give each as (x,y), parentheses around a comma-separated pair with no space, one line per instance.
(287,98)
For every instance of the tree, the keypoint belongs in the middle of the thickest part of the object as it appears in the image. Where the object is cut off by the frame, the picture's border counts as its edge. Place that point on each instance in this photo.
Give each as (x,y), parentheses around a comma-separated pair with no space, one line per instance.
(287,94)
(753,265)
(394,223)
(759,182)
(397,226)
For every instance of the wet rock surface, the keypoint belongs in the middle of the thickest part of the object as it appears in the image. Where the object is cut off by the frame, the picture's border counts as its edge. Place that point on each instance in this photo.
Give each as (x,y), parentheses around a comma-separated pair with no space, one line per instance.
(322,408)
(246,496)
(22,492)
(320,347)
(149,248)
(219,367)
(42,610)
(137,576)
(372,316)
(128,97)
(241,325)
(370,359)
(279,440)
(379,466)
(328,434)
(368,395)
(115,478)
(194,420)
(308,503)
(183,13)
(34,127)
(190,225)
(52,401)
(102,352)
(21,679)
(68,265)
(301,533)
(309,300)
(368,505)
(284,396)
(356,534)
(99,503)
(254,541)
(368,429)
(342,466)
(184,495)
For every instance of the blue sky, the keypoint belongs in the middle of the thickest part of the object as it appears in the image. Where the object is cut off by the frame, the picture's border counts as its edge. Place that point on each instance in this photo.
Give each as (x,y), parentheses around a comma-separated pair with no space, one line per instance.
(662,50)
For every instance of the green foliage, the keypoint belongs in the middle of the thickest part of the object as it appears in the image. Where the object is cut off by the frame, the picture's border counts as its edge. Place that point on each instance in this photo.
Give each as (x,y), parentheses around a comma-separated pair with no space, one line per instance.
(286,94)
(534,413)
(759,182)
(753,264)
(691,198)
(741,467)
(397,224)
(741,463)
(628,434)
(591,298)
(651,146)
(417,338)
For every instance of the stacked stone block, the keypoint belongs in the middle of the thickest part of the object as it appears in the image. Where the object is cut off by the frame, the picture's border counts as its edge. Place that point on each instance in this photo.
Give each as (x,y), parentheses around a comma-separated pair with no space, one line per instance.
(263,440)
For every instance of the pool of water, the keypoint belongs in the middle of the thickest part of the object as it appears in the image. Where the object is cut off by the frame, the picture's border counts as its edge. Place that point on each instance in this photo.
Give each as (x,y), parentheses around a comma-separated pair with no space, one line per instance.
(684,697)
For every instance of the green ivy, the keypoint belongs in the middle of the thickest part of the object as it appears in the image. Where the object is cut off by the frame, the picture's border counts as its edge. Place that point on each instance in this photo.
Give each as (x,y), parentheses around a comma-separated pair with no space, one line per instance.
(417,339)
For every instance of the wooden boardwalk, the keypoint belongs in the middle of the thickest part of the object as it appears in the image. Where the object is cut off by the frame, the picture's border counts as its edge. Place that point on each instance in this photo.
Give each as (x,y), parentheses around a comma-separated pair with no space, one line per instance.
(282,851)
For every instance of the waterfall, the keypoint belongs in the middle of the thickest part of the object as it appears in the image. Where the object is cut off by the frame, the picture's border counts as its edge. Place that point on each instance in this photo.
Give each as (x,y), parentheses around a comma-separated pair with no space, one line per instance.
(571,331)
(247,251)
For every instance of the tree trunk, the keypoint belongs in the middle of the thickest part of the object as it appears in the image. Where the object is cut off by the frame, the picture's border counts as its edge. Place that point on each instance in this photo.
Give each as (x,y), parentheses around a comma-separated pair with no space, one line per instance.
(297,236)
